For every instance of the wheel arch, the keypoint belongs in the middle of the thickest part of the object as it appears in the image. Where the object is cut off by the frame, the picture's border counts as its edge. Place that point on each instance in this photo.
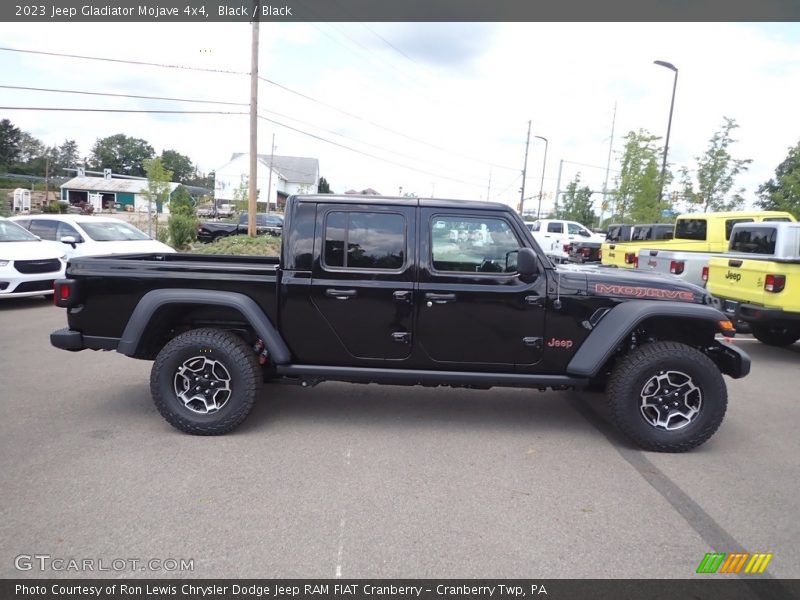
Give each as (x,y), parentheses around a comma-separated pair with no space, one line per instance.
(160,309)
(693,324)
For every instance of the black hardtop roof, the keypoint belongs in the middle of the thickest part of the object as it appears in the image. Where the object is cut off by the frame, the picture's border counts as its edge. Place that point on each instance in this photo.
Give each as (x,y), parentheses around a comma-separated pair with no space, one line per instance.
(402,201)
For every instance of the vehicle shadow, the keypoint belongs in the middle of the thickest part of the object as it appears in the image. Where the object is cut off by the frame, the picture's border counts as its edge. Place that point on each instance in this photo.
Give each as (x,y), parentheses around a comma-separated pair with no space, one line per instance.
(406,407)
(27,303)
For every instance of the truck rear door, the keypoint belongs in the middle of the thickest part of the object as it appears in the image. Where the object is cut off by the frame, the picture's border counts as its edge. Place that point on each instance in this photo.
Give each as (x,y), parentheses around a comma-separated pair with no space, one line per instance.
(363,279)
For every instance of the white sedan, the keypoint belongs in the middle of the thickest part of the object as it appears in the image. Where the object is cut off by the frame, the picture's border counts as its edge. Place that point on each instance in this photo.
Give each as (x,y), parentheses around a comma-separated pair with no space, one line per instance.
(28,265)
(89,235)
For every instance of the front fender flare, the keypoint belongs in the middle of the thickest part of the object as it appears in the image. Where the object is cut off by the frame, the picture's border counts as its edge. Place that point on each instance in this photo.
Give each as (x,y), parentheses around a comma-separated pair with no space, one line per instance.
(617,324)
(252,312)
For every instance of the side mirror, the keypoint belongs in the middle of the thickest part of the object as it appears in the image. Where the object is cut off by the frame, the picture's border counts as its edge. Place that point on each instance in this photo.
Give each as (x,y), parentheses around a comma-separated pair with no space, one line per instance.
(69,239)
(527,263)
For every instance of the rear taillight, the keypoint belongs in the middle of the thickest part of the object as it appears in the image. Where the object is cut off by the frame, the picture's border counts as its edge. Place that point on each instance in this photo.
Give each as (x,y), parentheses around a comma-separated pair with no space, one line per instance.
(65,293)
(774,283)
(566,248)
(705,273)
(676,267)
(585,252)
(600,254)
(631,258)
(636,262)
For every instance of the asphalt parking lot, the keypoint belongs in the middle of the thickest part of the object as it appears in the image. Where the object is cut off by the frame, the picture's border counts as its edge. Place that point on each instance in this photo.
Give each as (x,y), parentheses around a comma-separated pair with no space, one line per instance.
(369,481)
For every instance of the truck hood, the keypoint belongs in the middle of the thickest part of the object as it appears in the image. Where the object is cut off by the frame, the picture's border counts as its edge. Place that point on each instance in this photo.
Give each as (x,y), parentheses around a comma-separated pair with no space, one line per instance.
(630,284)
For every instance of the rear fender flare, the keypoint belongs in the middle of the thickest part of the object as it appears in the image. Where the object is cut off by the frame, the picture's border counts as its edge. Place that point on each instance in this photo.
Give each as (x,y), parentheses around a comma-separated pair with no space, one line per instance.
(252,312)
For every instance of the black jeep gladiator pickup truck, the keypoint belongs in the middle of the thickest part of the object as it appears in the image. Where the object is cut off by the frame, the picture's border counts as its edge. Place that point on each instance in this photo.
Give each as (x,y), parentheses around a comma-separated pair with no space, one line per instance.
(405,291)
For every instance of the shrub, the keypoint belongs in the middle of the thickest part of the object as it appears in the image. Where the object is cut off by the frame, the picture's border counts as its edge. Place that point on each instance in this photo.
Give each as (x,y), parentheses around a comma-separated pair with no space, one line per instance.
(182,230)
(55,208)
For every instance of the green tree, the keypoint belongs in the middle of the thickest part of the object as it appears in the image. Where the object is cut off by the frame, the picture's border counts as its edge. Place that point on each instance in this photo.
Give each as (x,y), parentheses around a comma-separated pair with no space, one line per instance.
(10,137)
(577,203)
(181,165)
(158,188)
(324,187)
(782,192)
(182,222)
(636,197)
(122,154)
(67,156)
(715,174)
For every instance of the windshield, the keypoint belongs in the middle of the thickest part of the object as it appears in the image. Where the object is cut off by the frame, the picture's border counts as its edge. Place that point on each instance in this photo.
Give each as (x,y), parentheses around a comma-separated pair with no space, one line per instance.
(11,232)
(112,231)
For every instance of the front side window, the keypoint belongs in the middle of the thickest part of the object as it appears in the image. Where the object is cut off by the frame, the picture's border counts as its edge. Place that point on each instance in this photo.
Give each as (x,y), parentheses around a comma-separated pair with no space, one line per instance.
(362,240)
(112,231)
(65,229)
(575,229)
(473,245)
(555,228)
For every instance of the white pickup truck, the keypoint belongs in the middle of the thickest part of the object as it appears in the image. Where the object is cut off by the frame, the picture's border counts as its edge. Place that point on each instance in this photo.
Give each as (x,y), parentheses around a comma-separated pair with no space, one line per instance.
(554,236)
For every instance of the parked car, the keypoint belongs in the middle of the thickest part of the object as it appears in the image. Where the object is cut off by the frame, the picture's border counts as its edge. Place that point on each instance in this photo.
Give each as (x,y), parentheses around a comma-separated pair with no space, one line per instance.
(266,224)
(554,236)
(585,252)
(90,235)
(28,265)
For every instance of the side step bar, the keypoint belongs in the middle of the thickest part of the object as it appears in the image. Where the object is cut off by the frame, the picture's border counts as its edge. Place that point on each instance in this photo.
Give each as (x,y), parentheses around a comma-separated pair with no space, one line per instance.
(423,377)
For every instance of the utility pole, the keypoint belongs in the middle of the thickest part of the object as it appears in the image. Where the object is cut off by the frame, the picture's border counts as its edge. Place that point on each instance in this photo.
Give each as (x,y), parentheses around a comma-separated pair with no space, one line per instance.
(524,170)
(558,187)
(608,164)
(46,179)
(269,185)
(489,187)
(252,184)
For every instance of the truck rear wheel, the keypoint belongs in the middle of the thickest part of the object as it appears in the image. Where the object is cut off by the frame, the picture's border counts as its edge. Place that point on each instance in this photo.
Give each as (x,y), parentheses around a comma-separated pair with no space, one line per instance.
(204,381)
(667,397)
(776,334)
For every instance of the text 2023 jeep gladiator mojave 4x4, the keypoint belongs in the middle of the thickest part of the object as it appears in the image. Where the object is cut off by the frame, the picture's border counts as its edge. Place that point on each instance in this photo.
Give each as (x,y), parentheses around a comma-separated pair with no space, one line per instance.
(406,291)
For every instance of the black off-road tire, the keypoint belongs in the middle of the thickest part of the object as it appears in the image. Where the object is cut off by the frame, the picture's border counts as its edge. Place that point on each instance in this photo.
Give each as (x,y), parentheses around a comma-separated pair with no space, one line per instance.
(776,334)
(635,371)
(223,348)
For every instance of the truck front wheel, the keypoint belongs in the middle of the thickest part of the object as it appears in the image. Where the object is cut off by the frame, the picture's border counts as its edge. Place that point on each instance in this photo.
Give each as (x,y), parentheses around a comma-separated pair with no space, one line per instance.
(205,381)
(667,397)
(776,334)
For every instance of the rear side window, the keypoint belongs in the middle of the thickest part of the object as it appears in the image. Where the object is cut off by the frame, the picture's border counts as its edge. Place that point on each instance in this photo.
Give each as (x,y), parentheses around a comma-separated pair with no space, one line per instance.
(663,233)
(754,240)
(777,220)
(555,228)
(691,229)
(44,229)
(363,240)
(641,233)
(730,223)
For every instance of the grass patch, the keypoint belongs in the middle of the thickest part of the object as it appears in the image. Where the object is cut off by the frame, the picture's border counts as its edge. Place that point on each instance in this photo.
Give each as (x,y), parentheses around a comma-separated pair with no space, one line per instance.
(264,245)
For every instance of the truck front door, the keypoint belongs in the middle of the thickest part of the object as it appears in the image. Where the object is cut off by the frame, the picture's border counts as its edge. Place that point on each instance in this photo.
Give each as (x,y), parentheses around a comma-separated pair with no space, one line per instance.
(472,307)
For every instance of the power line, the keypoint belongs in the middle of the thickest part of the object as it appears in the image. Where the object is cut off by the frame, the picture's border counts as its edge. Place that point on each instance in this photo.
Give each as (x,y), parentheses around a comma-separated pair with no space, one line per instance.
(357,151)
(116,95)
(378,125)
(122,110)
(123,61)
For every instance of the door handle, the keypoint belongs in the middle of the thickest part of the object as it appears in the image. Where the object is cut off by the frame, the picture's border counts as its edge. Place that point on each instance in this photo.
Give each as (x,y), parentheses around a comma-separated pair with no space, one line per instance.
(402,295)
(440,298)
(535,300)
(340,294)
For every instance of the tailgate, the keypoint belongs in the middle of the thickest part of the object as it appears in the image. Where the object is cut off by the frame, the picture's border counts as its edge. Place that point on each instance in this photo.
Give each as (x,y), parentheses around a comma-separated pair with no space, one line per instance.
(739,279)
(613,253)
(658,261)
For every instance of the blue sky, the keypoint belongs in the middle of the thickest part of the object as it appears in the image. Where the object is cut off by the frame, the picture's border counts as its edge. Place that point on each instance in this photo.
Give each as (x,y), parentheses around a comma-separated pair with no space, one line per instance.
(446,104)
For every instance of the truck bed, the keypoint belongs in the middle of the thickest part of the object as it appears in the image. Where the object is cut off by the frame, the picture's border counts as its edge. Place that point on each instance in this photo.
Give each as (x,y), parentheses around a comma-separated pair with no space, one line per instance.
(114,284)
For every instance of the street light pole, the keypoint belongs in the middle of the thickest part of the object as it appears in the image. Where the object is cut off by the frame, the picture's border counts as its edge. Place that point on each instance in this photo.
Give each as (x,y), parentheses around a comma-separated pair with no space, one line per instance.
(674,69)
(541,185)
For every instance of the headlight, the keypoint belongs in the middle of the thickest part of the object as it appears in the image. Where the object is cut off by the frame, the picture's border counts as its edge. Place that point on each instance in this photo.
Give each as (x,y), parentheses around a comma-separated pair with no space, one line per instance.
(4,263)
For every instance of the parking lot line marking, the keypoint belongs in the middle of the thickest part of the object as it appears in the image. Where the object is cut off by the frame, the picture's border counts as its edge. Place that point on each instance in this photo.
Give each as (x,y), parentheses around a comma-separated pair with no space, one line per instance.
(341,528)
(706,527)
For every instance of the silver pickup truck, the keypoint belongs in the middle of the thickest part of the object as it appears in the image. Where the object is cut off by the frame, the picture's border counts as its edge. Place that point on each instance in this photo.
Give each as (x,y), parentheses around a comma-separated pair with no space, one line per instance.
(692,266)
